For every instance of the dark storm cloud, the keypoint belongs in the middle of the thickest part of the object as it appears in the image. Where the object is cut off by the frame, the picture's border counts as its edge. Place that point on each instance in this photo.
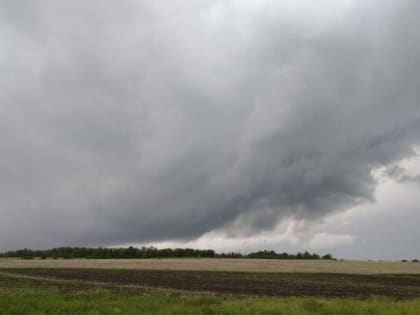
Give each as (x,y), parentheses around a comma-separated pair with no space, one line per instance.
(152,120)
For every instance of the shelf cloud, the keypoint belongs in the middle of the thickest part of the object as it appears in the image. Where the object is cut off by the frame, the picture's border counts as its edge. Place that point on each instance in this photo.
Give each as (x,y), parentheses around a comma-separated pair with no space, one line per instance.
(143,121)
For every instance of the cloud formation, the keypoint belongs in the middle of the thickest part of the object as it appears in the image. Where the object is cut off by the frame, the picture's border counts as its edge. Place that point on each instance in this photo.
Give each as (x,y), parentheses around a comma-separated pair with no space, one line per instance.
(322,241)
(157,120)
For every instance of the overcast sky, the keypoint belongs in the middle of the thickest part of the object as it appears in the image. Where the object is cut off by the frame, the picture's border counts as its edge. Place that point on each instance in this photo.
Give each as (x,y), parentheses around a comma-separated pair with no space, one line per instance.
(229,124)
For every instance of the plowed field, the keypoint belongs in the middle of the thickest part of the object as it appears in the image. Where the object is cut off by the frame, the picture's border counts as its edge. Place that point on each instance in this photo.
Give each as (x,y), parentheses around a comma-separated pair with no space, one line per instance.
(241,283)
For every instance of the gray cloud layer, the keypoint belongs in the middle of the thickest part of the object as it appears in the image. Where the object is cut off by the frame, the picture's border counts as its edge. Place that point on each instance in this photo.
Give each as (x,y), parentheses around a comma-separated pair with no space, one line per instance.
(153,120)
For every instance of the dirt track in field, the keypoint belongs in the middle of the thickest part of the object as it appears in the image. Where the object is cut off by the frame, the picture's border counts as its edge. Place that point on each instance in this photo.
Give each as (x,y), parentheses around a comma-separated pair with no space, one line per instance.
(269,284)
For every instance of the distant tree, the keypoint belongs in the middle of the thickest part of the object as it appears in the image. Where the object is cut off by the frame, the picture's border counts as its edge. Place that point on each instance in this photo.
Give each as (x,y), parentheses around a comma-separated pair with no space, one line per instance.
(149,252)
(327,256)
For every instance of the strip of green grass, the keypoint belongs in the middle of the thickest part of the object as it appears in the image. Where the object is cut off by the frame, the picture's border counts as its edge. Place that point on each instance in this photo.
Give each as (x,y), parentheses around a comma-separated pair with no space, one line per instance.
(31,301)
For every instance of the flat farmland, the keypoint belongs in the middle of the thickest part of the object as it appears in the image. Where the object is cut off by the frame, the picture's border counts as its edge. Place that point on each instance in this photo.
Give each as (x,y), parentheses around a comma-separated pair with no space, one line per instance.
(208,286)
(228,265)
(232,276)
(236,283)
(58,291)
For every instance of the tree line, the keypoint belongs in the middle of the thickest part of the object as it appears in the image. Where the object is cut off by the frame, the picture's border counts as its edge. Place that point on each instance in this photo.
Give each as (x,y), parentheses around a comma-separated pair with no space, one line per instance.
(149,252)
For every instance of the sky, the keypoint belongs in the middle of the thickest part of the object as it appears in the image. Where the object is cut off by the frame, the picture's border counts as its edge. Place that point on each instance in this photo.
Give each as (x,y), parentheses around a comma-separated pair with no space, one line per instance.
(236,125)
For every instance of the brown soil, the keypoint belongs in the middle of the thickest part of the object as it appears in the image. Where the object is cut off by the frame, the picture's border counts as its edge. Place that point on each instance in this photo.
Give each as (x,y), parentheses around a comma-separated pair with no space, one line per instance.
(269,284)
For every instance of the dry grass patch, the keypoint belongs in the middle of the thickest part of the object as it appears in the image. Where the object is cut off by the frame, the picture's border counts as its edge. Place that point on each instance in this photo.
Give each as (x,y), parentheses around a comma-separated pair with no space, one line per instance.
(214,264)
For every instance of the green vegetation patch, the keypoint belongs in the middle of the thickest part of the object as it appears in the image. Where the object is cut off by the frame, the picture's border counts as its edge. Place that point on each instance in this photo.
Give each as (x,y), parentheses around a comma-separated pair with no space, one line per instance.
(46,301)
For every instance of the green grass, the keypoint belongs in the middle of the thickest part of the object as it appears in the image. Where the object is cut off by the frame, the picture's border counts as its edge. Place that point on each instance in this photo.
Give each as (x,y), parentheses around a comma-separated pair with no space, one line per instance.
(23,299)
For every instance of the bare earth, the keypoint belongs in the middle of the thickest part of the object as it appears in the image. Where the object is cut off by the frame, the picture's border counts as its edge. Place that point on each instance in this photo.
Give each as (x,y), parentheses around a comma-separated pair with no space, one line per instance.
(242,265)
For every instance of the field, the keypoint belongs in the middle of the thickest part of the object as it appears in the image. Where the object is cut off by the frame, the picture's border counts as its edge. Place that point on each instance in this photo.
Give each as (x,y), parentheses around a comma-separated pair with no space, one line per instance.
(212,264)
(208,286)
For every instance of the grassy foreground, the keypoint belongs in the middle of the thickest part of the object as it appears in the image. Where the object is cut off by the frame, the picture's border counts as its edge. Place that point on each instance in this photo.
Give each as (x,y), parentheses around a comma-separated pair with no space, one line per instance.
(44,301)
